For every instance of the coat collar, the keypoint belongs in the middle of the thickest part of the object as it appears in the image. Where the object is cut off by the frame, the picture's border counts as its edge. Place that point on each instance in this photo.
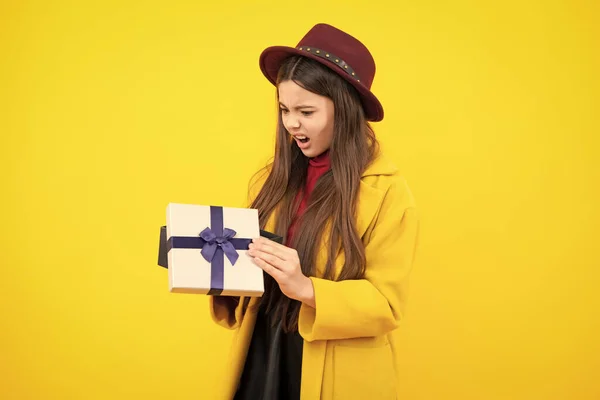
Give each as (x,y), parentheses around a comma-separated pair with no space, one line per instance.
(370,194)
(381,165)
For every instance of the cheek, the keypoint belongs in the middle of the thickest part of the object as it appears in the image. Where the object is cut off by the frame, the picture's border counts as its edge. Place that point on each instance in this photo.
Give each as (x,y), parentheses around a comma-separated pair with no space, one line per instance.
(327,132)
(322,130)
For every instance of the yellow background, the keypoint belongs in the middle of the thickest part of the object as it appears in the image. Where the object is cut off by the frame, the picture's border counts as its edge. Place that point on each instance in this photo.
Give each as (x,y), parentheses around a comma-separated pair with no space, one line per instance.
(109,110)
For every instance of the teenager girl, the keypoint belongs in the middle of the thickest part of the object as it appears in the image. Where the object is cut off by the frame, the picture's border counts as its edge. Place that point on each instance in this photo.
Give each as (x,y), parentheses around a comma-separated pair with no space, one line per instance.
(337,287)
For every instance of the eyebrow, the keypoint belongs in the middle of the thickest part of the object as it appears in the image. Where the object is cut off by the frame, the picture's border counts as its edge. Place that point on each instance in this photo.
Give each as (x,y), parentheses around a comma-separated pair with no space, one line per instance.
(300,107)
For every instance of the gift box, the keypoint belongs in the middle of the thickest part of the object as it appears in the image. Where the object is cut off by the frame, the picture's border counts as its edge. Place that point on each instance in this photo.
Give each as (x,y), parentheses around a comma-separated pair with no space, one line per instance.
(205,248)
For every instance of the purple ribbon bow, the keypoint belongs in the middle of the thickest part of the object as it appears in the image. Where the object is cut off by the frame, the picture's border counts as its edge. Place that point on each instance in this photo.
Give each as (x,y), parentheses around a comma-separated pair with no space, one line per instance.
(213,242)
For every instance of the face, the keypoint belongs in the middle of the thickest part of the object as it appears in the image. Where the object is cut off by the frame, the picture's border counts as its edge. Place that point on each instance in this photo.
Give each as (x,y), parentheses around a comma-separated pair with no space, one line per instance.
(307,116)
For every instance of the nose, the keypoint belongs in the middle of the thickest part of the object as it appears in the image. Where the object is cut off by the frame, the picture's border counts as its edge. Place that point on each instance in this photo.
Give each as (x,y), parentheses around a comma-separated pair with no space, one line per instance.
(292,122)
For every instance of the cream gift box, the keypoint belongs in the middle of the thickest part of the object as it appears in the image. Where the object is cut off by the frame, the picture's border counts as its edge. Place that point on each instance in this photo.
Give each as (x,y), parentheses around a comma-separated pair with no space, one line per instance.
(207,250)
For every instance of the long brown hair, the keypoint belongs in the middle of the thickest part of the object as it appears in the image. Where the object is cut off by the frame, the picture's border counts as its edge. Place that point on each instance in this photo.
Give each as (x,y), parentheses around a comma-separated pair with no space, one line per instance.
(333,200)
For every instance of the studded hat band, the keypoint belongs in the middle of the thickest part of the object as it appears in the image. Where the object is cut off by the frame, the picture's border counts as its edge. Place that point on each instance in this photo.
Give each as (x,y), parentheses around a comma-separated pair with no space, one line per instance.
(332,58)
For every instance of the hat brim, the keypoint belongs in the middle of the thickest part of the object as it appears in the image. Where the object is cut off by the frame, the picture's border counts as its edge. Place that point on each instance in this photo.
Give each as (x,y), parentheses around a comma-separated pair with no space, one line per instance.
(272,57)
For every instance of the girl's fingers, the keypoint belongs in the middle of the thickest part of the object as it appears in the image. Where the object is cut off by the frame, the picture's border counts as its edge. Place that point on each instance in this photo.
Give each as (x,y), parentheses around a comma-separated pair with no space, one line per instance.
(268,268)
(274,261)
(269,248)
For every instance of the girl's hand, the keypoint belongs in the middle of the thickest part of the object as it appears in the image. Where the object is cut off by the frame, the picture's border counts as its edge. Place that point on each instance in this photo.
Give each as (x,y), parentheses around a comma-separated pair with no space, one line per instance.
(283,264)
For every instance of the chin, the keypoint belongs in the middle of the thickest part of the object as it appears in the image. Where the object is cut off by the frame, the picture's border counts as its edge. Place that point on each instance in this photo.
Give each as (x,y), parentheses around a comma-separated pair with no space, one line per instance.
(310,153)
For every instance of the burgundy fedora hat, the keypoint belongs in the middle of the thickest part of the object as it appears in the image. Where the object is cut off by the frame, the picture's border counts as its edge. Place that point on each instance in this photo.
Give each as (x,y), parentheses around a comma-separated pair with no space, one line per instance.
(337,50)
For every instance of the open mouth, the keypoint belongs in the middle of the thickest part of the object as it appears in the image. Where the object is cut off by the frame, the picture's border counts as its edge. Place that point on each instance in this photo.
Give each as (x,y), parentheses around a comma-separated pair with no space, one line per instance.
(302,139)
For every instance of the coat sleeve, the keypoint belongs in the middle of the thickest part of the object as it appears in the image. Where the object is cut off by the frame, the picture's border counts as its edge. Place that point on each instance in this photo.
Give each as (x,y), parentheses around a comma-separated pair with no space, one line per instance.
(374,305)
(226,311)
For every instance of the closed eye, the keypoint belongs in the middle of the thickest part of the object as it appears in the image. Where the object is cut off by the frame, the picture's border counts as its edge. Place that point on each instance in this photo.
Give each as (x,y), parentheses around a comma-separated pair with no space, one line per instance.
(305,113)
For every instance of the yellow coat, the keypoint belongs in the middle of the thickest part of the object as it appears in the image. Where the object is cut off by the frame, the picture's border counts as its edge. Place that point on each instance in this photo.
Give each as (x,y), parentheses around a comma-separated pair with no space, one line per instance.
(348,352)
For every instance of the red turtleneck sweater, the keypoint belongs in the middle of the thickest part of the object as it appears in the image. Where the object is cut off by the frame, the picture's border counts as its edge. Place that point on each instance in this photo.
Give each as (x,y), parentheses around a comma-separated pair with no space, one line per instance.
(317,166)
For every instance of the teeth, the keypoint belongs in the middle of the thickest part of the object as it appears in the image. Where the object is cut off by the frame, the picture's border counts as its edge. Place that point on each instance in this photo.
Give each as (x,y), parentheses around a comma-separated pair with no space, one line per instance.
(301,137)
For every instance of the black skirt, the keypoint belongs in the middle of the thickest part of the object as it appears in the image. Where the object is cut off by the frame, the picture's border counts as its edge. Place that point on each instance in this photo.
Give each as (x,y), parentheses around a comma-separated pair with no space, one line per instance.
(274,363)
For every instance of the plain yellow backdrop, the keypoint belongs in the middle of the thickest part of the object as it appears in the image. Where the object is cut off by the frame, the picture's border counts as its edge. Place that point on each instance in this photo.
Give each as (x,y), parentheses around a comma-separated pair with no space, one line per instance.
(111,109)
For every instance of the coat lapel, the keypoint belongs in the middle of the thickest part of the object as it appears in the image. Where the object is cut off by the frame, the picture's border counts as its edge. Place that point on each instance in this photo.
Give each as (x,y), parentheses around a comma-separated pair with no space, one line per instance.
(372,192)
(369,201)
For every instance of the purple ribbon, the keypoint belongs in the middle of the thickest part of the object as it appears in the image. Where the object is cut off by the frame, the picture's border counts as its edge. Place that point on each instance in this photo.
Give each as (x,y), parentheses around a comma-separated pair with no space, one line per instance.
(213,242)
(216,243)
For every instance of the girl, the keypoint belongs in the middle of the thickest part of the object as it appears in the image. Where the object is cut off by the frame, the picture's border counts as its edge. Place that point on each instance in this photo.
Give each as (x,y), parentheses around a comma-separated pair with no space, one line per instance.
(336,288)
